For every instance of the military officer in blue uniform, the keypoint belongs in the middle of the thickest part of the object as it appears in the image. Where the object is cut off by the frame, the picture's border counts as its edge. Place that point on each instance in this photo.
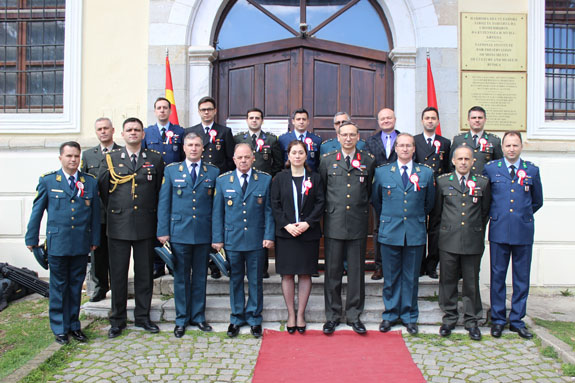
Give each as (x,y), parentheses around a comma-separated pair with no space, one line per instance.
(486,146)
(300,122)
(185,219)
(73,229)
(332,144)
(516,195)
(403,195)
(243,224)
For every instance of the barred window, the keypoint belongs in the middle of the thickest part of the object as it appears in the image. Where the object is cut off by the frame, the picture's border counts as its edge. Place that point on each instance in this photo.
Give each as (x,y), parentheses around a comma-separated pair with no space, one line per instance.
(560,59)
(31,56)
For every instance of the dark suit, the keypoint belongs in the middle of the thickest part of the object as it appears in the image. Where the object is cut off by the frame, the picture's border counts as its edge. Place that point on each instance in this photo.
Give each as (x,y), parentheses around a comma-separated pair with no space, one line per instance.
(313,147)
(437,157)
(219,149)
(268,154)
(461,218)
(482,154)
(171,148)
(100,269)
(73,225)
(511,232)
(131,212)
(346,219)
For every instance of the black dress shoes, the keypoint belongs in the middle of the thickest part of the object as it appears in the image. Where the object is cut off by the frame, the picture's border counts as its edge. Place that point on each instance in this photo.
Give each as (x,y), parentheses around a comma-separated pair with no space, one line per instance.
(301,329)
(412,328)
(204,326)
(98,297)
(149,326)
(62,339)
(329,327)
(432,274)
(115,331)
(79,336)
(265,275)
(179,331)
(357,326)
(474,333)
(216,273)
(377,275)
(233,330)
(159,273)
(385,326)
(291,330)
(256,331)
(445,330)
(497,330)
(522,332)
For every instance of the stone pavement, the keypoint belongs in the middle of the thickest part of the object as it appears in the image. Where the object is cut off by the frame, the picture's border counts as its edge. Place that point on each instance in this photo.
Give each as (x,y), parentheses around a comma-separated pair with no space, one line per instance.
(197,357)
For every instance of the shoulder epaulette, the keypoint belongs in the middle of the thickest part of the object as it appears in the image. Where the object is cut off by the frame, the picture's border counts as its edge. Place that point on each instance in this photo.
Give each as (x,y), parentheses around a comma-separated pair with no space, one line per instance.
(460,134)
(241,134)
(210,165)
(115,150)
(48,173)
(330,153)
(382,165)
(443,175)
(366,153)
(225,174)
(328,140)
(261,172)
(88,174)
(153,151)
(492,162)
(427,166)
(173,164)
(481,176)
(269,134)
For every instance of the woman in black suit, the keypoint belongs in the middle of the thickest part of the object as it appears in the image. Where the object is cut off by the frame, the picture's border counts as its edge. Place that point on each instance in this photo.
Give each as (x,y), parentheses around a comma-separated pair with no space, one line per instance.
(297,204)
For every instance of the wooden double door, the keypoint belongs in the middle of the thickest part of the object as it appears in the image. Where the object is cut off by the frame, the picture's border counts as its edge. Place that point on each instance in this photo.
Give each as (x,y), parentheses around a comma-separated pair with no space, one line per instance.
(321,76)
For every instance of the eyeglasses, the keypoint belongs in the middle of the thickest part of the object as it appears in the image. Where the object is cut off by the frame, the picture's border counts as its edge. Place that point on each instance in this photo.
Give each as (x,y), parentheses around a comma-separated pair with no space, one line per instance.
(204,110)
(350,135)
(337,123)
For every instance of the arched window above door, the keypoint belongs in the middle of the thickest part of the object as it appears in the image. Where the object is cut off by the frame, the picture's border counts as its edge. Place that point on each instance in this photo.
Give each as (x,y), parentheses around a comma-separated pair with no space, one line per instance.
(354,22)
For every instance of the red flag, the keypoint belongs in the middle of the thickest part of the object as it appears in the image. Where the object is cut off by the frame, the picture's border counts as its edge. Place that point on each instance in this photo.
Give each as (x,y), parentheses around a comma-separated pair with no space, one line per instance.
(170,93)
(431,98)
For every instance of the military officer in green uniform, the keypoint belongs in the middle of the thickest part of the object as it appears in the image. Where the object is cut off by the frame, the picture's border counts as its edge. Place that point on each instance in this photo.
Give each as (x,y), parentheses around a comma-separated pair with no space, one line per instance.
(333,144)
(346,176)
(461,211)
(486,146)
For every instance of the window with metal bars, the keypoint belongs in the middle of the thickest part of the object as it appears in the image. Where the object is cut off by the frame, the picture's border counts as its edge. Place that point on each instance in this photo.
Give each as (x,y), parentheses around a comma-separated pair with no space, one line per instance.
(560,59)
(31,56)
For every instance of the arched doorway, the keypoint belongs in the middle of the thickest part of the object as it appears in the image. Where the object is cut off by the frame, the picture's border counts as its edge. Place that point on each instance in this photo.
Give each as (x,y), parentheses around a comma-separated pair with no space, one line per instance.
(327,56)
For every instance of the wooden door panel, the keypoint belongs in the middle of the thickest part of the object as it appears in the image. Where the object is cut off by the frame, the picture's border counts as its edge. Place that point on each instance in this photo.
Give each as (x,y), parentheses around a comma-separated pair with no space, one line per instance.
(362,88)
(326,89)
(241,91)
(277,89)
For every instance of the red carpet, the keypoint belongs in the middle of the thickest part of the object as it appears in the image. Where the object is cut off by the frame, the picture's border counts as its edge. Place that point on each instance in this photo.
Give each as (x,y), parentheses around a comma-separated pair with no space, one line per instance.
(342,357)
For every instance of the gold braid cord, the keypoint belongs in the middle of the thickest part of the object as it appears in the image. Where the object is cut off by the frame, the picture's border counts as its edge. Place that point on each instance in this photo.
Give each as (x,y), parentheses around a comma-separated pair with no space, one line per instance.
(116,180)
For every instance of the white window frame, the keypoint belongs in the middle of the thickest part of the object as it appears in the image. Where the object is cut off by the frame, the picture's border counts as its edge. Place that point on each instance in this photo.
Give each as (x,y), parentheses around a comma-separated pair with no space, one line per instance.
(537,127)
(67,121)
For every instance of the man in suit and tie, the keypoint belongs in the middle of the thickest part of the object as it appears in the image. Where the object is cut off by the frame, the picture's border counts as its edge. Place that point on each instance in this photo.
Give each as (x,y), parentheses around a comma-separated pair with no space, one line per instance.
(184,219)
(346,176)
(129,184)
(403,195)
(333,144)
(300,122)
(486,146)
(381,145)
(243,224)
(433,150)
(516,195)
(461,212)
(91,163)
(73,230)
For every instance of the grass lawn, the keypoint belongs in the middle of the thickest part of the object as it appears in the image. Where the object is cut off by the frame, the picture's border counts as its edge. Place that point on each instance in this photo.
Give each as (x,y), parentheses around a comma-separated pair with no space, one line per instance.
(562,330)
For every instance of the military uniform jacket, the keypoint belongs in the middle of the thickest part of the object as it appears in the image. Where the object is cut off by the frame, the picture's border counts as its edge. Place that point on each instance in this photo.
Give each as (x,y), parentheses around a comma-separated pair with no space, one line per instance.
(267,152)
(437,156)
(73,223)
(462,215)
(91,163)
(218,149)
(481,154)
(347,193)
(333,144)
(375,146)
(402,210)
(171,148)
(131,207)
(313,147)
(513,204)
(242,221)
(185,209)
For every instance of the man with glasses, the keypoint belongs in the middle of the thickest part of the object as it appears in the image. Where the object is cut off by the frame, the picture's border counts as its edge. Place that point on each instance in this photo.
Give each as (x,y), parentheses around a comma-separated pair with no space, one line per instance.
(333,144)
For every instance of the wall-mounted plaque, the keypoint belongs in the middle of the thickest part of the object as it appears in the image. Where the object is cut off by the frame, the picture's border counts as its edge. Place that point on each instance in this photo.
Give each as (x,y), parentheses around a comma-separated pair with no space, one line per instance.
(493,41)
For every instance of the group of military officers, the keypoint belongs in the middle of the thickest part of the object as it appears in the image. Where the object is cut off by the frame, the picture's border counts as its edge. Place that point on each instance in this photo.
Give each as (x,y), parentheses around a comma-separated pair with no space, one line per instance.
(202,188)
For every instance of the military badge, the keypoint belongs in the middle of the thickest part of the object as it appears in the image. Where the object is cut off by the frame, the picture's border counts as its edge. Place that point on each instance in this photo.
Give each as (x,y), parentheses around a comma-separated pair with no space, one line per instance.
(230,202)
(179,192)
(260,200)
(87,202)
(210,191)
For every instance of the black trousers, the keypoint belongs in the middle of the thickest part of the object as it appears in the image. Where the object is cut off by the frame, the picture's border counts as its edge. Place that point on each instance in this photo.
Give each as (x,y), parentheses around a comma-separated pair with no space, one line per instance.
(143,280)
(100,269)
(429,262)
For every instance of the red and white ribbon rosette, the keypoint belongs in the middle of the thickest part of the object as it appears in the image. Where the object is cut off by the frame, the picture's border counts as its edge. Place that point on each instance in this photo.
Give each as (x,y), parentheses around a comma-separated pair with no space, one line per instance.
(169,135)
(260,145)
(521,174)
(309,143)
(80,187)
(356,164)
(437,145)
(483,143)
(307,185)
(414,178)
(213,134)
(471,186)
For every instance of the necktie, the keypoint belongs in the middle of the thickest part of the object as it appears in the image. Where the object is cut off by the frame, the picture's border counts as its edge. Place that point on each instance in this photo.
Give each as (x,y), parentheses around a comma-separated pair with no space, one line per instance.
(254,141)
(404,176)
(193,173)
(512,172)
(301,137)
(72,182)
(207,130)
(133,156)
(475,140)
(388,146)
(163,134)
(347,161)
(429,142)
(463,184)
(245,184)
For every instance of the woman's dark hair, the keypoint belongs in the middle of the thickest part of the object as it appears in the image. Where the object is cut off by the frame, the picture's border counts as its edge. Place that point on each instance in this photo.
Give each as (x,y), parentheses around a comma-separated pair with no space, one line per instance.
(290,146)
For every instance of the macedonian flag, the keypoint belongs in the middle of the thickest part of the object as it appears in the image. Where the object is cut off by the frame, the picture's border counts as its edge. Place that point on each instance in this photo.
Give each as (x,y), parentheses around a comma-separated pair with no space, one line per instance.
(170,93)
